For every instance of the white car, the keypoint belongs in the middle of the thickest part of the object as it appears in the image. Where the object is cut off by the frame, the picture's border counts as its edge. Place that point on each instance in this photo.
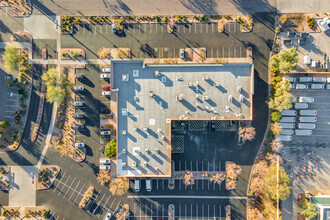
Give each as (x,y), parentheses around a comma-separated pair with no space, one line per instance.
(105,132)
(106,70)
(10,77)
(79,88)
(105,167)
(105,160)
(181,53)
(78,104)
(79,145)
(106,93)
(108,216)
(105,75)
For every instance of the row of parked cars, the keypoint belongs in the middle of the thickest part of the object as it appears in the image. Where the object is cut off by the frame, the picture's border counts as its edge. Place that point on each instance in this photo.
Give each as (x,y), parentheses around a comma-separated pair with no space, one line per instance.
(304,118)
(316,82)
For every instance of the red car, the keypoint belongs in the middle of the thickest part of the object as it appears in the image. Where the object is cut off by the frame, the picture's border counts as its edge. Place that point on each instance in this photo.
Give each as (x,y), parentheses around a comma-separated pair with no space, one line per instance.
(106,87)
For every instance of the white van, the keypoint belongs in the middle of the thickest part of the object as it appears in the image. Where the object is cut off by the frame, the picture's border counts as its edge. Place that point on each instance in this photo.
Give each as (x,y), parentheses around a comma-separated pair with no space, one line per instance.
(306,99)
(288,119)
(283,137)
(305,79)
(289,113)
(305,126)
(287,132)
(328,79)
(137,185)
(317,86)
(303,132)
(301,106)
(105,160)
(308,112)
(307,119)
(287,125)
(148,185)
(291,79)
(319,79)
(301,86)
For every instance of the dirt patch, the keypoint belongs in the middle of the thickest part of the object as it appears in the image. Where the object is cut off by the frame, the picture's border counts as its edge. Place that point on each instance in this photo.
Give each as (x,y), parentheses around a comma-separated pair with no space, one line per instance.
(46,176)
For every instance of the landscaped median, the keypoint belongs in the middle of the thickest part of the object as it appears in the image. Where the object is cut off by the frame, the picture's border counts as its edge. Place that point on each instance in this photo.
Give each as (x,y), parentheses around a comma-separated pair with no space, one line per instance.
(46,176)
(38,212)
(72,53)
(4,178)
(87,196)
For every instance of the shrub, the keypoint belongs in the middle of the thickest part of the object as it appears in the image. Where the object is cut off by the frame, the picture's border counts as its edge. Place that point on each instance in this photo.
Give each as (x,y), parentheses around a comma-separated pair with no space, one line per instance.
(310,22)
(4,124)
(111,149)
(276,116)
(11,58)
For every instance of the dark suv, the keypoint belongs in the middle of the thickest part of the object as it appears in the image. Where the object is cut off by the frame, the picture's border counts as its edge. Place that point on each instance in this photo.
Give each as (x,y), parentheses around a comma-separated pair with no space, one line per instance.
(79,127)
(79,116)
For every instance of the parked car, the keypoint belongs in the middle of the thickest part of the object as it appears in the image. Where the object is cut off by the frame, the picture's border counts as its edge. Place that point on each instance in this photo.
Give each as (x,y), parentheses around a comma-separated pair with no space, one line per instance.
(79,127)
(105,76)
(114,28)
(317,86)
(306,99)
(106,93)
(78,104)
(137,185)
(306,126)
(106,87)
(79,144)
(80,77)
(79,88)
(10,77)
(307,119)
(105,132)
(289,113)
(105,167)
(283,137)
(148,185)
(301,105)
(308,112)
(79,116)
(301,86)
(108,216)
(106,70)
(105,160)
(182,53)
(287,132)
(288,119)
(319,79)
(287,125)
(291,79)
(303,132)
(305,79)
(328,86)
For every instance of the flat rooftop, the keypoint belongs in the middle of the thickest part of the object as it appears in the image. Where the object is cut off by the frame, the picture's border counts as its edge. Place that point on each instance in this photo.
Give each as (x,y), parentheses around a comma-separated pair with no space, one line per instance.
(150,96)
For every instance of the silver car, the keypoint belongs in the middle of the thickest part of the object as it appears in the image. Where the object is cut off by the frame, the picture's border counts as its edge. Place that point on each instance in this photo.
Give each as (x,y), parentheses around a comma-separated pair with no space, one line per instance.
(79,88)
(78,104)
(181,53)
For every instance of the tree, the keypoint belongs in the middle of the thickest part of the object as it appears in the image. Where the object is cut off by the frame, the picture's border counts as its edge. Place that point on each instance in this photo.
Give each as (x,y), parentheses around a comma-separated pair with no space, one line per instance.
(272,158)
(269,209)
(276,145)
(188,178)
(111,149)
(281,102)
(260,168)
(217,178)
(288,60)
(119,186)
(103,177)
(233,170)
(254,214)
(307,209)
(247,133)
(11,58)
(257,185)
(4,124)
(270,183)
(276,116)
(276,128)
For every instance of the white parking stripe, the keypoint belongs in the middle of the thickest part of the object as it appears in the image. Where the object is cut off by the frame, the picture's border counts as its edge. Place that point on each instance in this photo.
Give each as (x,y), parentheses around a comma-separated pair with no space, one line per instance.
(145,28)
(59,181)
(64,185)
(223,52)
(79,193)
(99,205)
(206,28)
(229,27)
(112,202)
(69,187)
(74,190)
(234,27)
(195,27)
(58,217)
(201,28)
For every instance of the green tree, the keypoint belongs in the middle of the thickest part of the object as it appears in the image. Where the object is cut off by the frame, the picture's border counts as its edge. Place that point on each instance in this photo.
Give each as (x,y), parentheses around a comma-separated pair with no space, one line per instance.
(4,124)
(11,58)
(270,183)
(288,60)
(111,149)
(276,116)
(282,102)
(307,209)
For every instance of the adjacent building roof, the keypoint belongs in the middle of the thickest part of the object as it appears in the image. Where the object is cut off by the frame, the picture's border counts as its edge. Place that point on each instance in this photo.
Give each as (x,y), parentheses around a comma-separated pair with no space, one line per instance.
(150,96)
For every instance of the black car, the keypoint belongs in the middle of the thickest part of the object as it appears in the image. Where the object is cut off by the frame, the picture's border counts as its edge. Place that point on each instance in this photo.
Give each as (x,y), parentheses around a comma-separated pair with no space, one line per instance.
(79,116)
(105,111)
(79,127)
(80,77)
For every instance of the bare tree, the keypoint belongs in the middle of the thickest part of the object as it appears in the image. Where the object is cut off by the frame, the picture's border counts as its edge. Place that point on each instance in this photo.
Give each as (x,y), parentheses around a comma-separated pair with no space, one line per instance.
(276,145)
(188,178)
(119,186)
(272,158)
(233,170)
(247,133)
(218,178)
(260,168)
(254,214)
(276,128)
(123,213)
(257,185)
(103,177)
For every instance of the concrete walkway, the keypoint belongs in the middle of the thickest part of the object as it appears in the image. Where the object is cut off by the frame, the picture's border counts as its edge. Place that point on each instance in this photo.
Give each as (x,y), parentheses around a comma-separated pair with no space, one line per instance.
(22,191)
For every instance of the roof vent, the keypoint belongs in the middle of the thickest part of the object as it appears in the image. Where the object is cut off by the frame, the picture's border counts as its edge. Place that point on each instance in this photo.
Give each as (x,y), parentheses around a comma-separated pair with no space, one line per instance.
(163,137)
(205,78)
(134,164)
(179,78)
(145,128)
(151,93)
(217,84)
(135,128)
(159,130)
(147,151)
(156,73)
(124,112)
(123,164)
(205,98)
(145,164)
(241,98)
(230,98)
(157,151)
(135,73)
(124,132)
(190,85)
(239,88)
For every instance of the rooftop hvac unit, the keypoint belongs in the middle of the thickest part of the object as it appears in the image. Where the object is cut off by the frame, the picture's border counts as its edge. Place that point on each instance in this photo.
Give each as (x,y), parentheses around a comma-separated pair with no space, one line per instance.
(217,84)
(157,168)
(145,128)
(124,132)
(136,151)
(156,73)
(206,108)
(179,78)
(241,98)
(205,98)
(163,137)
(157,150)
(159,130)
(239,88)
(151,93)
(123,164)
(189,84)
(145,164)
(197,84)
(135,128)
(230,98)
(205,78)
(124,151)
(147,150)
(134,164)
